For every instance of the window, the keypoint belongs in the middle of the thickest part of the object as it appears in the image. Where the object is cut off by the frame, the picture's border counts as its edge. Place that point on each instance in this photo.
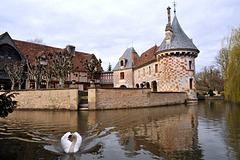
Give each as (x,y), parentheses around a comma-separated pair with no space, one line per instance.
(121,75)
(149,70)
(138,74)
(191,81)
(190,65)
(121,62)
(156,68)
(143,72)
(137,85)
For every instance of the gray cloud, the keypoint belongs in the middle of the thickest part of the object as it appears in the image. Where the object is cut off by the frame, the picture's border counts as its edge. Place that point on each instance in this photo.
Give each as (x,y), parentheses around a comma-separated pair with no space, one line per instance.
(107,27)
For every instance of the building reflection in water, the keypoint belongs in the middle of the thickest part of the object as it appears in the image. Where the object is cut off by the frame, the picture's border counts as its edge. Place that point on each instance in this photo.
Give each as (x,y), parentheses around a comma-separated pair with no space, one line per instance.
(171,132)
(163,131)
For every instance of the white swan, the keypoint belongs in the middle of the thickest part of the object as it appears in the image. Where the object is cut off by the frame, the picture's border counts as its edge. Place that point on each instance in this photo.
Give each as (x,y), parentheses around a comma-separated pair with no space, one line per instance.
(71,146)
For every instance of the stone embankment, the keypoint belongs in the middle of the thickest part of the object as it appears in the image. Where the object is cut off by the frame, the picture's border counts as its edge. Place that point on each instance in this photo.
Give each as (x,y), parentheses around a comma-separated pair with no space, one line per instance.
(47,99)
(119,98)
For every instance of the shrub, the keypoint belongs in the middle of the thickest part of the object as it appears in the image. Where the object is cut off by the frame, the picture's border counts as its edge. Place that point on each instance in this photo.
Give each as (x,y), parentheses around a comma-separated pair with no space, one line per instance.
(204,93)
(7,105)
(210,92)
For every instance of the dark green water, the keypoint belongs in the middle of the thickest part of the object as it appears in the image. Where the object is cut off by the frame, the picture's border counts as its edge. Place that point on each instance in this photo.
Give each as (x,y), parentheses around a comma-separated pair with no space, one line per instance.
(207,130)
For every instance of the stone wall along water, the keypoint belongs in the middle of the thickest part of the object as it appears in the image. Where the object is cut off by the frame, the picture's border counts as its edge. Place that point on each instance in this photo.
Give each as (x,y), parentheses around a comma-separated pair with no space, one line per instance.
(118,98)
(47,99)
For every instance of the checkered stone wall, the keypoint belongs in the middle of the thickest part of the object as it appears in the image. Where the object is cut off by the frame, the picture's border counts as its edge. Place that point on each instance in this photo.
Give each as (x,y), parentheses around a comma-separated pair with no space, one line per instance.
(128,78)
(175,74)
(145,74)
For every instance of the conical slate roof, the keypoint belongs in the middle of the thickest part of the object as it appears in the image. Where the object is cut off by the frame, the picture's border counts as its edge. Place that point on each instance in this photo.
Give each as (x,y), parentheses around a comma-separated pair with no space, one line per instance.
(128,56)
(179,39)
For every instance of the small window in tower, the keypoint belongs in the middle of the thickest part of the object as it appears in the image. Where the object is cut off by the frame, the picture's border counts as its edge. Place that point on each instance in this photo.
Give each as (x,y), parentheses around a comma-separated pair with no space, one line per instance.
(143,72)
(190,65)
(191,83)
(156,68)
(149,70)
(138,74)
(121,75)
(121,62)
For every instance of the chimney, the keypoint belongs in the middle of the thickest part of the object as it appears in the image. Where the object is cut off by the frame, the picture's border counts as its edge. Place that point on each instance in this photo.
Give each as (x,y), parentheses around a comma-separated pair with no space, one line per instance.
(134,57)
(71,49)
(168,30)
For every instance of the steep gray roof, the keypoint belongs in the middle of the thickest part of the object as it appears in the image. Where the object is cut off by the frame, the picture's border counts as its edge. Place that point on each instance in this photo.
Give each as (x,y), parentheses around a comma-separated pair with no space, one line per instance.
(179,39)
(128,56)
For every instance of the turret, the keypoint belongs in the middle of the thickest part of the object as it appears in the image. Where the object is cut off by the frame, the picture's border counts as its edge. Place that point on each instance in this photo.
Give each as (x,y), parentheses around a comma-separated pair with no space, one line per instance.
(168,30)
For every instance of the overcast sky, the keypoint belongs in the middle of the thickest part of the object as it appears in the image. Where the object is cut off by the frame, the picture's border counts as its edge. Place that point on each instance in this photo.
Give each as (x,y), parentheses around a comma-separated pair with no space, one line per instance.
(107,27)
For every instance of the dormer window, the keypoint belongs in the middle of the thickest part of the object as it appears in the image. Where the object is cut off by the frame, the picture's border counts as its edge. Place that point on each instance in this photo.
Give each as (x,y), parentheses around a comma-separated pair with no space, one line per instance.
(121,63)
(43,60)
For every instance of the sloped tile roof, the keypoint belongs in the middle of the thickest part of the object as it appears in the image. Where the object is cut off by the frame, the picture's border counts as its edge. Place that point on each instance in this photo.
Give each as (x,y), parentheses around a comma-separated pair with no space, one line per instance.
(128,56)
(179,39)
(33,50)
(147,57)
(2,35)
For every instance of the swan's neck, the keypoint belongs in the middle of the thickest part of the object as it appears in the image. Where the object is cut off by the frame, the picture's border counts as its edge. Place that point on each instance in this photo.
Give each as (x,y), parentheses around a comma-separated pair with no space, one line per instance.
(71,149)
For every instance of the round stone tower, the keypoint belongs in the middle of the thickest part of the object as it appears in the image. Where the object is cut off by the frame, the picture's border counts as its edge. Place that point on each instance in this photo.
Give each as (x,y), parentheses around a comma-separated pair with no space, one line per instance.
(176,58)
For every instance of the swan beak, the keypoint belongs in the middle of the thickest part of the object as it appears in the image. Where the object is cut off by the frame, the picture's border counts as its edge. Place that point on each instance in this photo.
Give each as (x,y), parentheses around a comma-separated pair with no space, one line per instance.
(69,137)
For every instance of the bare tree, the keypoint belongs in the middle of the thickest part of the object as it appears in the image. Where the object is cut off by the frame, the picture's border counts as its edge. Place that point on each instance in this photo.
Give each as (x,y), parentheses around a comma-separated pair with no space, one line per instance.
(62,65)
(209,78)
(35,70)
(15,72)
(92,68)
(36,40)
(47,74)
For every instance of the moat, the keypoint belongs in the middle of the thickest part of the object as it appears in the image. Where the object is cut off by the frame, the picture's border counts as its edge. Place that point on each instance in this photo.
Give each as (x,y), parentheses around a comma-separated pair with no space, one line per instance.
(207,130)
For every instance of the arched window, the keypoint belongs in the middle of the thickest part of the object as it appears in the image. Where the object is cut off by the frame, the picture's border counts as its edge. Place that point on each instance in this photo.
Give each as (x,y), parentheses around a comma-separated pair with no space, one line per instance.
(154,86)
(9,53)
(149,70)
(123,86)
(147,85)
(137,85)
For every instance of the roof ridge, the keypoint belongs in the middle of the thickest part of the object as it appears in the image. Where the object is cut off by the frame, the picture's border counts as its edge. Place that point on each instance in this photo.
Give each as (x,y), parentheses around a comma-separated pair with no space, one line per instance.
(36,43)
(3,34)
(149,49)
